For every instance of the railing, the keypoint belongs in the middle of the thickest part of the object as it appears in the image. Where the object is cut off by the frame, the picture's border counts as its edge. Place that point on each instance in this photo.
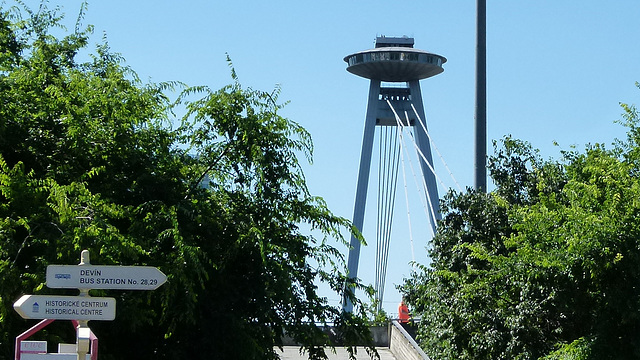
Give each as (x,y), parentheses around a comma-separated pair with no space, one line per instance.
(391,335)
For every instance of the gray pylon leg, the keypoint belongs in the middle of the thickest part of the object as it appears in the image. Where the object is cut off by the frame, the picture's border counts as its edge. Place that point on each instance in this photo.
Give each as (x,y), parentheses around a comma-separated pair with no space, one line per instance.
(363,183)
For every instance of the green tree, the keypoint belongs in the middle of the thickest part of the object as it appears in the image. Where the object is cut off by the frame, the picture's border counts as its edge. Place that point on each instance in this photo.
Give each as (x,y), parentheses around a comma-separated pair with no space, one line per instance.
(544,266)
(89,159)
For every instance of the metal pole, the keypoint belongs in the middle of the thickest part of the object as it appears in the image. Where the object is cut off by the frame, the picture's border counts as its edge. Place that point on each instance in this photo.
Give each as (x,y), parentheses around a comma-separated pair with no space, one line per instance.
(480,177)
(82,328)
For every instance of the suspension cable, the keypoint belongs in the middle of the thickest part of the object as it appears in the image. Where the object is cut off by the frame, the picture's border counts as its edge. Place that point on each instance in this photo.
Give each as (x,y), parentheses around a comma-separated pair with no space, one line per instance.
(406,191)
(430,207)
(424,127)
(419,185)
(415,145)
(392,150)
(387,179)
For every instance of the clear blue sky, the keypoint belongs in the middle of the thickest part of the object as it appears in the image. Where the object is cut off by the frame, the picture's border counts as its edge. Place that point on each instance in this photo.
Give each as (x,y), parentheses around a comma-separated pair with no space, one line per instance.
(557,71)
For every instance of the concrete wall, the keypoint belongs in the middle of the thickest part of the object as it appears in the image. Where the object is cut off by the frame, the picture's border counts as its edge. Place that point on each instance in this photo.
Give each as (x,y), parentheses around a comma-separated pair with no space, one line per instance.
(379,334)
(403,346)
(393,337)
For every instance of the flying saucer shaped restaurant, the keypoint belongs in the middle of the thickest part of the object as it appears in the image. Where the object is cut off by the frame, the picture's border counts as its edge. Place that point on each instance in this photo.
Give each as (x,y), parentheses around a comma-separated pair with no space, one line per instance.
(395,64)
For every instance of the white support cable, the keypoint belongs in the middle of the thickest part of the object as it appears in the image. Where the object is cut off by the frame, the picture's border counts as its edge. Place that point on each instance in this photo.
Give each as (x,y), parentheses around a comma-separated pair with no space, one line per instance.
(424,200)
(383,220)
(406,191)
(424,127)
(429,209)
(379,221)
(424,158)
(396,163)
(389,166)
(429,206)
(421,186)
(387,179)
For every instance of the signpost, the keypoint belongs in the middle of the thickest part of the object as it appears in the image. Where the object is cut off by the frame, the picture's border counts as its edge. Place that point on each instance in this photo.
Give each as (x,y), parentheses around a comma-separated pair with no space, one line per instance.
(66,307)
(104,277)
(83,308)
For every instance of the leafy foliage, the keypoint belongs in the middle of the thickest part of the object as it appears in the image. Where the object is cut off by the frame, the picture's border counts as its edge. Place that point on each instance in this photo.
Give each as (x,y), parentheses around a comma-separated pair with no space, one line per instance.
(89,160)
(544,266)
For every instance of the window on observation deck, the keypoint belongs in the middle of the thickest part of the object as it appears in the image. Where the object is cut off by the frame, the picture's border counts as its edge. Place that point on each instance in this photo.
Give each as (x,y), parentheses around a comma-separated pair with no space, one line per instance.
(394,56)
(356,59)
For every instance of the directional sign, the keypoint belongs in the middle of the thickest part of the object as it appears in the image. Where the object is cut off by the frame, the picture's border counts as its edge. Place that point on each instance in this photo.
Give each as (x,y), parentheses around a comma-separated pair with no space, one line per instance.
(104,277)
(66,307)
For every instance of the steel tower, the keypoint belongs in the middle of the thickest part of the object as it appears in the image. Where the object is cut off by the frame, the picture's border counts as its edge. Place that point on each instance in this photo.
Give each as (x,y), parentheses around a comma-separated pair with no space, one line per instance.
(393,60)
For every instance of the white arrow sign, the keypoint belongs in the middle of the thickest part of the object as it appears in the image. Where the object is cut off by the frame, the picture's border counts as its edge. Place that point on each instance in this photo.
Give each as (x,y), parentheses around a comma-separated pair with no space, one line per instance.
(66,307)
(104,277)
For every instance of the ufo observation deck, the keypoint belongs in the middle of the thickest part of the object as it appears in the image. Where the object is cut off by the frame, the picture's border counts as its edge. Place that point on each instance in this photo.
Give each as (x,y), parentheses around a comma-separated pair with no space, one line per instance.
(398,63)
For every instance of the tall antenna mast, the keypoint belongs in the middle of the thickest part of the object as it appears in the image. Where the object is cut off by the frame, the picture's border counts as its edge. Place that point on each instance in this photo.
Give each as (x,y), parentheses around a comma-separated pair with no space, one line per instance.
(480,165)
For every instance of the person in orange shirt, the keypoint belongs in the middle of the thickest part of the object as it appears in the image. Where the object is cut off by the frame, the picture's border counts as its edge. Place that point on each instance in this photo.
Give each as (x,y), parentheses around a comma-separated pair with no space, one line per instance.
(403,313)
